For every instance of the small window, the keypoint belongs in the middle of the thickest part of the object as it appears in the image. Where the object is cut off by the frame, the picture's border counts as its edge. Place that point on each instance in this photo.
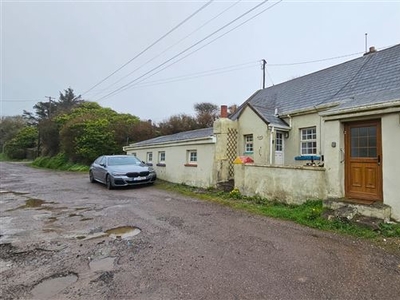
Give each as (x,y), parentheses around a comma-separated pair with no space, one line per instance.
(279,141)
(161,156)
(192,156)
(308,143)
(149,157)
(248,143)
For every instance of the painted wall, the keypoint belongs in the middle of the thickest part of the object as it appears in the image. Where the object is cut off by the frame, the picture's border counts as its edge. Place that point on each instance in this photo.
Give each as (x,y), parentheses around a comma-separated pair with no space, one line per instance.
(391,162)
(176,157)
(250,123)
(333,144)
(289,184)
(292,144)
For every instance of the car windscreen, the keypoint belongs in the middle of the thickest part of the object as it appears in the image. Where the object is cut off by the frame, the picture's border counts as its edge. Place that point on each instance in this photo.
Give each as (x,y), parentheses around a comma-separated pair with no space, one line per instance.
(123,160)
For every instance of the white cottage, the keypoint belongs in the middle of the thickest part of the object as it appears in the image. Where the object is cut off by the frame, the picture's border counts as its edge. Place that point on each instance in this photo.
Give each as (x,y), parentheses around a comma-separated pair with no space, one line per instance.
(332,134)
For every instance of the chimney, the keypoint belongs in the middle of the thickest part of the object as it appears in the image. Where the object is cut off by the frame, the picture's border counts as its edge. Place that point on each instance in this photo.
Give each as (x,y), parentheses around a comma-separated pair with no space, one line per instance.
(224,111)
(371,50)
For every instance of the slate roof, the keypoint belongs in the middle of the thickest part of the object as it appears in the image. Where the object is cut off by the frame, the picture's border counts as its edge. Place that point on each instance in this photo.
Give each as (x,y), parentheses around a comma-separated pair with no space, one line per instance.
(181,136)
(371,79)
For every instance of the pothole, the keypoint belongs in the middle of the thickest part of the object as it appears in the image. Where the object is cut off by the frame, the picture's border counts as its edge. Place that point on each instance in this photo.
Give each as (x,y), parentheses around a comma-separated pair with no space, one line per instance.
(123,232)
(30,203)
(104,264)
(51,286)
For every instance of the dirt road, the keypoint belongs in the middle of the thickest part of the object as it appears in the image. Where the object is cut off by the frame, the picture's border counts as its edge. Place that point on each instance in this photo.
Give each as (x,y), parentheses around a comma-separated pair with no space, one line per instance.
(62,237)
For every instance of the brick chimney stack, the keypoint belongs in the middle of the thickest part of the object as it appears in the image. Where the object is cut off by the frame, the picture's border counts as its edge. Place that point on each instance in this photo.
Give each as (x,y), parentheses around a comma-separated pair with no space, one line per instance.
(371,50)
(224,111)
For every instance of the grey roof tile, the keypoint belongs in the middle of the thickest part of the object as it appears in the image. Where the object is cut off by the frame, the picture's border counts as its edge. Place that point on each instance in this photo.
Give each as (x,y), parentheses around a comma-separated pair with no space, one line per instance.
(372,78)
(181,136)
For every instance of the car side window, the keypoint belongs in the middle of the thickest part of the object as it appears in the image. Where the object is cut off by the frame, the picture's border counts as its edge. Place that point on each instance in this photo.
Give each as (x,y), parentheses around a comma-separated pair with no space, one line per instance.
(100,160)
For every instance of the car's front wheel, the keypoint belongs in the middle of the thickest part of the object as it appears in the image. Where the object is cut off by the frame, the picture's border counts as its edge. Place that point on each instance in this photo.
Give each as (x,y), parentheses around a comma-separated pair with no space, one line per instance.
(91,177)
(109,183)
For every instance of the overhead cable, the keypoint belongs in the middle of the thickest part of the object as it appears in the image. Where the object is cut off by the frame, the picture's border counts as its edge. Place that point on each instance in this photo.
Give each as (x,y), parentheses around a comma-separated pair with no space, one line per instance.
(161,53)
(182,52)
(147,48)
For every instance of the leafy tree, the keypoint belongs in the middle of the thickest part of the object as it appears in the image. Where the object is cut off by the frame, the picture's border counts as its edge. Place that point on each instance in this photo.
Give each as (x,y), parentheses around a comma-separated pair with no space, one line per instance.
(90,130)
(206,114)
(9,127)
(177,123)
(67,101)
(17,147)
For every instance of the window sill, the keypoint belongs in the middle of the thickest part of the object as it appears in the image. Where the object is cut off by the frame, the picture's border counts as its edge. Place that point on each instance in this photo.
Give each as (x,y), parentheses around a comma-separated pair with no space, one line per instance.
(250,152)
(161,165)
(190,165)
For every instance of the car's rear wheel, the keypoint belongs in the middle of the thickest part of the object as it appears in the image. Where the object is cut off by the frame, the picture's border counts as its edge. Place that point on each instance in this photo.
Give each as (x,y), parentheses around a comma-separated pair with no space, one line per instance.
(109,183)
(91,177)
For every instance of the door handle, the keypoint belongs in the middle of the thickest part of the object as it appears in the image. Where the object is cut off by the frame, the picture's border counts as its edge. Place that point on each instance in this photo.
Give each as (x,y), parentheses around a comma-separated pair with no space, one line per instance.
(379,160)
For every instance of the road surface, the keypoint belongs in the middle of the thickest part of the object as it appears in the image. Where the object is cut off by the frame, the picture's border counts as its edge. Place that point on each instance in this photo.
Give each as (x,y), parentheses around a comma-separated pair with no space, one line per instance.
(62,237)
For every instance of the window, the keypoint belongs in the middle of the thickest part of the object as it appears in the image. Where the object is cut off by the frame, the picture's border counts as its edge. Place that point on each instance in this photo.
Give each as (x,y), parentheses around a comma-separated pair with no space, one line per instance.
(248,143)
(308,141)
(192,157)
(161,156)
(279,141)
(149,157)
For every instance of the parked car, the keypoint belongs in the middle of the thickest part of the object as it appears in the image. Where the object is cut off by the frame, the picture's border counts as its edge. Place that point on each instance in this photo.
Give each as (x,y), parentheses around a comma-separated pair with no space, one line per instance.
(121,170)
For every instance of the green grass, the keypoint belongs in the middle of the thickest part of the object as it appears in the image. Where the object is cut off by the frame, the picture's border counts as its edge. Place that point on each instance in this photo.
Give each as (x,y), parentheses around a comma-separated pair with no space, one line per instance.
(309,213)
(58,162)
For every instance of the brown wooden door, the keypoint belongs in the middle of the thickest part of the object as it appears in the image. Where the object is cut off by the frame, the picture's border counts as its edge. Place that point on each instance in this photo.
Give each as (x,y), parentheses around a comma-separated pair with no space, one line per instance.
(363,161)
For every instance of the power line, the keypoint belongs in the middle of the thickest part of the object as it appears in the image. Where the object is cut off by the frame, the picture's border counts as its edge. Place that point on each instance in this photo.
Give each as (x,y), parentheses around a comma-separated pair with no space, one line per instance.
(158,55)
(313,61)
(127,86)
(180,53)
(193,76)
(154,43)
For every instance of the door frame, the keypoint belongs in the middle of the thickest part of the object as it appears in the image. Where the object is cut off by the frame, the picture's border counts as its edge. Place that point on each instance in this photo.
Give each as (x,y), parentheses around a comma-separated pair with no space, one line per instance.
(378,160)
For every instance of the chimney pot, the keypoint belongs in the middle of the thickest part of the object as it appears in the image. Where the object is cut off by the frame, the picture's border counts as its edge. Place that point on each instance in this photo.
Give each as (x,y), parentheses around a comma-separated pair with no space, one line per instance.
(372,49)
(224,111)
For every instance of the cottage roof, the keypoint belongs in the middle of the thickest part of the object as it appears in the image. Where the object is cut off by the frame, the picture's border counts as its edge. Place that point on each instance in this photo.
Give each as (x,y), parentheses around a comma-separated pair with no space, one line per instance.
(180,136)
(371,79)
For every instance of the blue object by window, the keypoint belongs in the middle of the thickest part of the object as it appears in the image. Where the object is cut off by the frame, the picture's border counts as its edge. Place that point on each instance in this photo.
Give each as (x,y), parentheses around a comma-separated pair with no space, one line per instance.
(308,157)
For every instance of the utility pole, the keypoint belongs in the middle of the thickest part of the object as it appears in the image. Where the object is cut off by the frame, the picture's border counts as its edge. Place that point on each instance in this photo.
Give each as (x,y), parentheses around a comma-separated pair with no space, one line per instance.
(49,97)
(264,62)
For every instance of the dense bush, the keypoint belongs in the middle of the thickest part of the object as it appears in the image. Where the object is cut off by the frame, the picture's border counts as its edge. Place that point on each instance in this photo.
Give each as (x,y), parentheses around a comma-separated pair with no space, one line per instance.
(17,147)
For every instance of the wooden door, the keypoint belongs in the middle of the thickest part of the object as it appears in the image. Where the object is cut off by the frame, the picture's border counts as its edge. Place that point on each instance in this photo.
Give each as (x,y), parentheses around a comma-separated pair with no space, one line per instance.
(363,160)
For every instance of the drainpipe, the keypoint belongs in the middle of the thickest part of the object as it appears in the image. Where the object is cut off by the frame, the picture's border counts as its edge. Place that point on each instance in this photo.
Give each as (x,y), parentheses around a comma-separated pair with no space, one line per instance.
(271,144)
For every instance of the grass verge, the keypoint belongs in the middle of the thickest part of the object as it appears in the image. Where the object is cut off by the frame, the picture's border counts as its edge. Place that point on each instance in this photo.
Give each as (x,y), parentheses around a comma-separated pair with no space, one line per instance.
(309,213)
(58,162)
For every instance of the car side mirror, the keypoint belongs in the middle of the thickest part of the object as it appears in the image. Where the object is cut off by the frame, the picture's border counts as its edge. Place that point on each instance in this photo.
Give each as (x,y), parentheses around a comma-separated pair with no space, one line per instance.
(103,165)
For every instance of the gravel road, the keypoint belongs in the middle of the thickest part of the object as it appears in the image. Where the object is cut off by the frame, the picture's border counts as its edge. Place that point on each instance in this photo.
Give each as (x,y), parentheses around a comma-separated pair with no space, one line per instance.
(62,237)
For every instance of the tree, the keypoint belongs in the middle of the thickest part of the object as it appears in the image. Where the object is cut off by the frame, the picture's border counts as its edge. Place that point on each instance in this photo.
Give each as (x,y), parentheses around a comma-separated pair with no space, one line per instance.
(177,123)
(17,147)
(9,127)
(67,101)
(206,114)
(90,130)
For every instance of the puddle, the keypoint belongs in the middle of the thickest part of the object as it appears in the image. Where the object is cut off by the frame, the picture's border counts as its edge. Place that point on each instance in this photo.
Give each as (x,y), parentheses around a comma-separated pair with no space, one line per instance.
(104,264)
(123,232)
(86,219)
(51,219)
(50,287)
(30,203)
(80,208)
(80,237)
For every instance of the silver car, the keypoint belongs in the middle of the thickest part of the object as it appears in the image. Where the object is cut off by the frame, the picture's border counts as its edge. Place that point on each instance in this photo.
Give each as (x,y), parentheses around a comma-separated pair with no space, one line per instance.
(121,170)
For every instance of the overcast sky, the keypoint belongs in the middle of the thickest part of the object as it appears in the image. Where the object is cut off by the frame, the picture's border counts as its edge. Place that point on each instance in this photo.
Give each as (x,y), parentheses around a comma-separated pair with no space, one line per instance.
(48,46)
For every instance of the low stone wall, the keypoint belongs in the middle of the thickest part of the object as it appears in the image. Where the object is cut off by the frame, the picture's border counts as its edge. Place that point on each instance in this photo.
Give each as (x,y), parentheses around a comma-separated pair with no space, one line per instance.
(289,184)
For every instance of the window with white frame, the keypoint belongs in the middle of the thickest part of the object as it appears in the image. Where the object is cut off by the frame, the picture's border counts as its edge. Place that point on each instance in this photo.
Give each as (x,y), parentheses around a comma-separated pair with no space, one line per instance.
(248,143)
(279,141)
(192,157)
(149,157)
(161,156)
(308,141)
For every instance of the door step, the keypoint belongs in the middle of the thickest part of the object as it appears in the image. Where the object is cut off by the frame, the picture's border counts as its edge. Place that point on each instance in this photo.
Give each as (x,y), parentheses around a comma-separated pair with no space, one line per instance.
(350,208)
